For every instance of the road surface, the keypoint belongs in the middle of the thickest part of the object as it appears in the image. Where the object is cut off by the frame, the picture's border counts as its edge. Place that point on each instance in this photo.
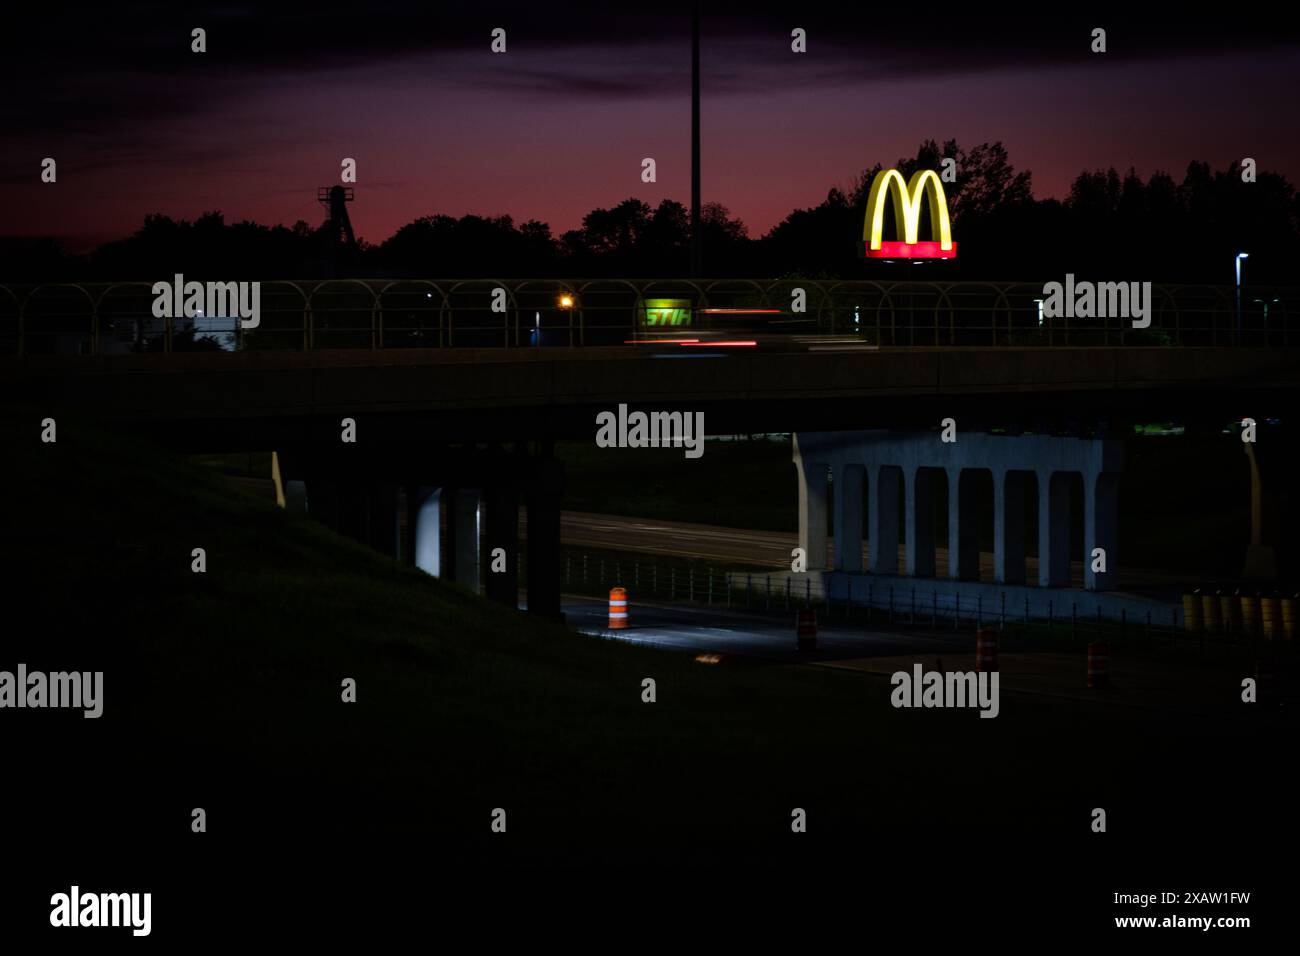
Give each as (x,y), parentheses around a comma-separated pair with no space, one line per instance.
(1180,682)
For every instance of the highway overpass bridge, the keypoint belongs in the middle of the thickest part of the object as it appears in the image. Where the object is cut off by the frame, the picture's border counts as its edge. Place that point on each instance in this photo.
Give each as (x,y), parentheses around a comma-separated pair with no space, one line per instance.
(464,434)
(241,400)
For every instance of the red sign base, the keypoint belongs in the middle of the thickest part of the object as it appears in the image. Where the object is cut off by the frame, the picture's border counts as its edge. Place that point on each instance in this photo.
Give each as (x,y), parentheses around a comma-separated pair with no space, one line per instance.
(910,250)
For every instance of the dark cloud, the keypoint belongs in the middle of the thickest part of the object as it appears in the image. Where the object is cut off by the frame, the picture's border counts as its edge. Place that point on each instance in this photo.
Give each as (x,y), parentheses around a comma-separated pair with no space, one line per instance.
(72,69)
(54,52)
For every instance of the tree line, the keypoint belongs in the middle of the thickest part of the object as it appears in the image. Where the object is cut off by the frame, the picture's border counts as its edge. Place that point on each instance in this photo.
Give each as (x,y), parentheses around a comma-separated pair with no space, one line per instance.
(1111,225)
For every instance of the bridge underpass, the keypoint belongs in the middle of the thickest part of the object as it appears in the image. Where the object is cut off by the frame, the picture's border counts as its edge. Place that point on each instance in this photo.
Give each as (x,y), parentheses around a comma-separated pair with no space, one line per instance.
(453,512)
(428,419)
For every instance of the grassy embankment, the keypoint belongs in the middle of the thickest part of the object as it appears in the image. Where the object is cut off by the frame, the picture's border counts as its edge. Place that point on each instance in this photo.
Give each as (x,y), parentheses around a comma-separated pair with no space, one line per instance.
(223,691)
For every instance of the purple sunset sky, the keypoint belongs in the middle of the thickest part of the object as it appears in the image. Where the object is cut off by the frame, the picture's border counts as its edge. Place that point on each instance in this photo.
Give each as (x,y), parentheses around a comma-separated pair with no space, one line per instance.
(560,123)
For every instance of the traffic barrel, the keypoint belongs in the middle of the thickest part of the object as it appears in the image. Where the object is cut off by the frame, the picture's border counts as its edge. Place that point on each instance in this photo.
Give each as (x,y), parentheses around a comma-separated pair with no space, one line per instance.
(1210,611)
(1288,616)
(1098,664)
(986,649)
(617,609)
(1250,613)
(806,629)
(1192,610)
(1270,616)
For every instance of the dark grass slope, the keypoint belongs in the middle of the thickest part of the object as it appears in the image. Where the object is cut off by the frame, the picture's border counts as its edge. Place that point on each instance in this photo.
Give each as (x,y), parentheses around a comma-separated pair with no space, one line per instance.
(222,691)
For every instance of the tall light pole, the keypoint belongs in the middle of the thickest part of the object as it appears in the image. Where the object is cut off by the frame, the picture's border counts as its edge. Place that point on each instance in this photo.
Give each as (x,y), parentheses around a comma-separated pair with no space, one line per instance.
(697,239)
(1240,256)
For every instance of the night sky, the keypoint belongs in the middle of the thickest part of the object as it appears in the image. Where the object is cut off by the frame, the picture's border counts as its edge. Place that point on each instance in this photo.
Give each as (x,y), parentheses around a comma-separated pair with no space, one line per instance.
(560,123)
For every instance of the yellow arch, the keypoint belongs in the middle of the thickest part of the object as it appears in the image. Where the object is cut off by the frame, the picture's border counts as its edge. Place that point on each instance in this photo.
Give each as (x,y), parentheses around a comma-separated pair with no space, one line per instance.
(907,206)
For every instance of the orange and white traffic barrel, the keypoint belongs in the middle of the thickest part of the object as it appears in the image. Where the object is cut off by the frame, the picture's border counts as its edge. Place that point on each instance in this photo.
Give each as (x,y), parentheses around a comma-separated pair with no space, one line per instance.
(617,609)
(806,629)
(1098,664)
(986,649)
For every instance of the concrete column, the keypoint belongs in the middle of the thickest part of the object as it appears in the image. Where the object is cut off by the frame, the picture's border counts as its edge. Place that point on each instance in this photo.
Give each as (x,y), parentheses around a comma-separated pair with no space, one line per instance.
(884,503)
(812,510)
(502,531)
(323,502)
(920,523)
(383,529)
(424,527)
(1009,526)
(954,520)
(409,508)
(464,518)
(963,540)
(848,517)
(1053,529)
(1100,528)
(544,551)
(295,496)
(353,511)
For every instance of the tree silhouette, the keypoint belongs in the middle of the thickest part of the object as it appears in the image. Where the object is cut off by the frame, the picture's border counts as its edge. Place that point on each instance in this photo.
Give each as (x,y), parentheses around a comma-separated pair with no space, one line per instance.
(1109,226)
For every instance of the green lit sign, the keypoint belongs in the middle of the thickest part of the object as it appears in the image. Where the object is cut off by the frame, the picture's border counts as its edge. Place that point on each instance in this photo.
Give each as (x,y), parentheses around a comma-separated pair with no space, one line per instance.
(667,311)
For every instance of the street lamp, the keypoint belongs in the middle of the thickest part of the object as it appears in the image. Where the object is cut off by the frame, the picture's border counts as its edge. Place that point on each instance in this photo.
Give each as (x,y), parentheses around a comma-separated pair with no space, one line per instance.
(566,303)
(1240,256)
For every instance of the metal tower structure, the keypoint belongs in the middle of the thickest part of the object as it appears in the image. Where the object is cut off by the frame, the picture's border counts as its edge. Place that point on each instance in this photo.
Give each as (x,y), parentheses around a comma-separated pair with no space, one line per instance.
(338,226)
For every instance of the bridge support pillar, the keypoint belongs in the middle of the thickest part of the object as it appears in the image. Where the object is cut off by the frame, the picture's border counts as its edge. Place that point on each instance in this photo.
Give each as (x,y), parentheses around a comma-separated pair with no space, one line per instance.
(848,517)
(1009,489)
(463,522)
(963,540)
(502,531)
(543,501)
(323,502)
(883,494)
(353,519)
(1100,528)
(919,518)
(424,528)
(812,509)
(1053,529)
(382,530)
(295,496)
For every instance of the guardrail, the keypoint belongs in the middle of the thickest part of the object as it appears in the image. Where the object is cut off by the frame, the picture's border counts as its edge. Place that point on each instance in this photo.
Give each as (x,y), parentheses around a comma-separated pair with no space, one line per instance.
(688,584)
(931,607)
(117,317)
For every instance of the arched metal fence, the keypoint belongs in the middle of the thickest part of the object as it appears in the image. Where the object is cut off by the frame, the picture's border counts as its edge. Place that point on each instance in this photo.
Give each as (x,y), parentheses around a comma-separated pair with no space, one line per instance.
(118,317)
